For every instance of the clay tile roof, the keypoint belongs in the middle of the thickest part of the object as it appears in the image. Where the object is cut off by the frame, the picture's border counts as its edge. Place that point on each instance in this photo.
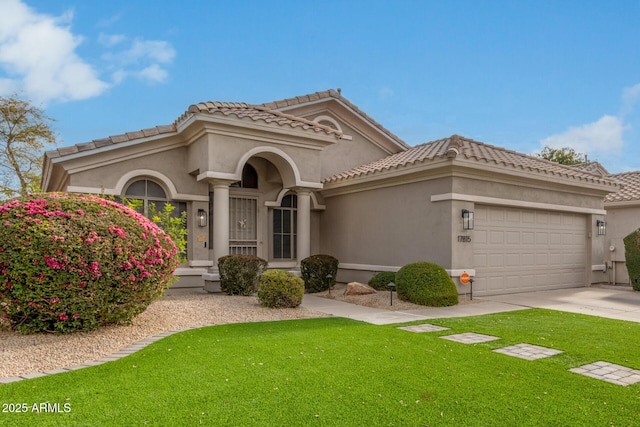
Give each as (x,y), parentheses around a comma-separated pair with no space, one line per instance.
(103,142)
(457,146)
(327,94)
(261,113)
(630,191)
(592,167)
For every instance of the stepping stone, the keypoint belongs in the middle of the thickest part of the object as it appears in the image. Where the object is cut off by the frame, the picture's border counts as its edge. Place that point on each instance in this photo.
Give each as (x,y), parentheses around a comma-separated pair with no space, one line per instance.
(528,351)
(425,327)
(470,338)
(605,371)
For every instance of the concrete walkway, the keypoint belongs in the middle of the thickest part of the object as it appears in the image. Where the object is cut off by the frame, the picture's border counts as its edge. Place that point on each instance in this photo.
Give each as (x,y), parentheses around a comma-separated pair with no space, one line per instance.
(615,303)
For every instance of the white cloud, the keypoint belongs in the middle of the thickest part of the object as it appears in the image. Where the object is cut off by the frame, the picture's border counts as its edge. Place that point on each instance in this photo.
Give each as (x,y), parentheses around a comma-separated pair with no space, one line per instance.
(603,136)
(630,96)
(37,56)
(142,59)
(153,74)
(110,40)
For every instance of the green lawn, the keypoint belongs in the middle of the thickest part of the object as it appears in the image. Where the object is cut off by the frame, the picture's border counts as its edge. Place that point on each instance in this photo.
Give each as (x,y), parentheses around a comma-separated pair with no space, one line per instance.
(339,372)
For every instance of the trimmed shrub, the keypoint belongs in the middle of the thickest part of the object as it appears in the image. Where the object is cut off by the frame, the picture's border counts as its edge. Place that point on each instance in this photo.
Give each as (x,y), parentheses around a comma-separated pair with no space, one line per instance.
(315,270)
(426,283)
(239,273)
(280,289)
(632,257)
(380,281)
(71,262)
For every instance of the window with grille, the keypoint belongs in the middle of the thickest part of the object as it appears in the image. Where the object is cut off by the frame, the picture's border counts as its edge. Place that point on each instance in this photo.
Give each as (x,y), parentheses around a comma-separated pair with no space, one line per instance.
(285,220)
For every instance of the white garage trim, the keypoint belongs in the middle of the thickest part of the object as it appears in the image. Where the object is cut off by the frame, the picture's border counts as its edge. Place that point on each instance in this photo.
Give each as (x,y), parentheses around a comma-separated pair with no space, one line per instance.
(514,203)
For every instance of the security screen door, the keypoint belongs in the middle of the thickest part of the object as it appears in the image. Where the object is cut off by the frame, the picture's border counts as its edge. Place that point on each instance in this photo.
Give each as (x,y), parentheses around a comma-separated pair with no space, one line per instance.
(243,230)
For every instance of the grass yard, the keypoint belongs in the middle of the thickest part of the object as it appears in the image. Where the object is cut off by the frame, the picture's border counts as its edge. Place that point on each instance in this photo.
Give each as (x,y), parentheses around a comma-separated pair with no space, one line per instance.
(339,372)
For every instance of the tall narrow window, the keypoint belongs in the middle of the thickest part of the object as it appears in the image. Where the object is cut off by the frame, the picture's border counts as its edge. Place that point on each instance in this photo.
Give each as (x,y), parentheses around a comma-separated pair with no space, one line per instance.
(285,223)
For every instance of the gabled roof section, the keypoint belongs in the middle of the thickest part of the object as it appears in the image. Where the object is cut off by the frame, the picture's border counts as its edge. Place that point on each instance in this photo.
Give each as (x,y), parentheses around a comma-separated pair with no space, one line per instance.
(460,147)
(630,191)
(240,110)
(288,103)
(592,167)
(256,113)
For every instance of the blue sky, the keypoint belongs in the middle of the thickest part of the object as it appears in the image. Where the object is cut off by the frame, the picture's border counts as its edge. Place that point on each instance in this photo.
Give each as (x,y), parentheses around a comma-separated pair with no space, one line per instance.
(515,74)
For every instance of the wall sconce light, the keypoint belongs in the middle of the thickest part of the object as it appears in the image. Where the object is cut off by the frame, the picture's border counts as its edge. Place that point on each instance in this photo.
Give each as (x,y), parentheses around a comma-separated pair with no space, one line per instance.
(602,227)
(467,219)
(202,218)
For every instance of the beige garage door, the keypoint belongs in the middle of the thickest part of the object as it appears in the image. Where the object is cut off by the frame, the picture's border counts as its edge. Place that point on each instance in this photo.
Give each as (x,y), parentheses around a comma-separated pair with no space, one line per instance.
(520,250)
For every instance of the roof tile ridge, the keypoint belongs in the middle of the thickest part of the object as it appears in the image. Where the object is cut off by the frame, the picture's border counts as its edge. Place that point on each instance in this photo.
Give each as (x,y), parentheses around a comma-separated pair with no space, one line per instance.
(327,129)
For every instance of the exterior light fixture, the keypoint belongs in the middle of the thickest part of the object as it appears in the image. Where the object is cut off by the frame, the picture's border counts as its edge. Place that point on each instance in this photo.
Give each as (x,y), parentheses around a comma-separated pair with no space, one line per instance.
(202,218)
(467,219)
(602,227)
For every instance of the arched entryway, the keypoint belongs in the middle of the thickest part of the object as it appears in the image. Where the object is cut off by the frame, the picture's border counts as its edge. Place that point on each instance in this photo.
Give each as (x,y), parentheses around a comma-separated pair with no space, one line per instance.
(263,209)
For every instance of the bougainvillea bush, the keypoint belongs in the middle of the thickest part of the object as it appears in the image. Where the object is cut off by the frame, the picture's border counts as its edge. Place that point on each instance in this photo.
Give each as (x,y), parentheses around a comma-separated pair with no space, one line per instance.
(76,262)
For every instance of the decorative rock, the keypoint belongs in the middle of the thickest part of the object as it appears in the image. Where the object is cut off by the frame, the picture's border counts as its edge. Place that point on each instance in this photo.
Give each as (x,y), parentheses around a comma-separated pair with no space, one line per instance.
(355,288)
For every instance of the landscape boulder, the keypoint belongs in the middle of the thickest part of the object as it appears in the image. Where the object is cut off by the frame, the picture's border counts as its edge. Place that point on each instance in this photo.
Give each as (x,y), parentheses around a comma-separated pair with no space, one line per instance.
(355,288)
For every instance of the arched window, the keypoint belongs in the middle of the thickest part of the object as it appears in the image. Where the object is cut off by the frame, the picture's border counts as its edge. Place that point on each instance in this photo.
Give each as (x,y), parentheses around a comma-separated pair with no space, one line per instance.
(148,196)
(285,224)
(249,178)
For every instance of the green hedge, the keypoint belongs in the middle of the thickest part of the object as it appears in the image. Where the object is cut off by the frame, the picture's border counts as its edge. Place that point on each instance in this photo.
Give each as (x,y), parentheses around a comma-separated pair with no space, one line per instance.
(632,257)
(315,270)
(239,273)
(380,281)
(71,262)
(280,289)
(426,283)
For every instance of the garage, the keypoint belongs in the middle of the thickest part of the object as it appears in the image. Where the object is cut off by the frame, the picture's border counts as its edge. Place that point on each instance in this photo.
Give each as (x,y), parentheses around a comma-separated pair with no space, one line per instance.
(522,250)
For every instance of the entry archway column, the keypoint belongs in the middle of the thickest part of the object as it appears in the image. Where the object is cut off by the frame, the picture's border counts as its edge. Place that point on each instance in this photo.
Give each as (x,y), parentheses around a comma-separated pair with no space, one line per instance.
(303,241)
(220,220)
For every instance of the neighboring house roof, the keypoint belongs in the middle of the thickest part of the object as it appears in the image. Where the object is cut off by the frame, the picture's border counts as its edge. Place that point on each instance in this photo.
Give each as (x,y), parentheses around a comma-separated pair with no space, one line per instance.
(630,190)
(289,103)
(455,146)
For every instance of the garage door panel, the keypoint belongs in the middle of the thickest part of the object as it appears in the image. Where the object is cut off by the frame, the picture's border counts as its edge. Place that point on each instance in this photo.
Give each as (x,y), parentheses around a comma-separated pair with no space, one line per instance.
(528,250)
(555,238)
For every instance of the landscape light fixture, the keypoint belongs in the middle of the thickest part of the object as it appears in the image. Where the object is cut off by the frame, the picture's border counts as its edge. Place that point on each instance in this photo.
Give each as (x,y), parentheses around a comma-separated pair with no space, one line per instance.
(202,218)
(467,219)
(602,227)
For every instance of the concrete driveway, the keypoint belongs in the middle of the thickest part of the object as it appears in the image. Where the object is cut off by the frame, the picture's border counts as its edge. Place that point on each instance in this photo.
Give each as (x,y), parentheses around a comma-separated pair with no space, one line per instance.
(622,304)
(596,301)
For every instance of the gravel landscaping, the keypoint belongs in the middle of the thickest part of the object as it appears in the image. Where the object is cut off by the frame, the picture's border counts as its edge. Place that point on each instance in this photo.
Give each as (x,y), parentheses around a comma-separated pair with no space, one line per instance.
(24,354)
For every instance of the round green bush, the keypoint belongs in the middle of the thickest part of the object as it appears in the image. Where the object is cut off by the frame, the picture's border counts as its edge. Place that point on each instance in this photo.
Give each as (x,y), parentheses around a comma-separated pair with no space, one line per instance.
(73,262)
(280,289)
(380,281)
(315,271)
(239,273)
(426,283)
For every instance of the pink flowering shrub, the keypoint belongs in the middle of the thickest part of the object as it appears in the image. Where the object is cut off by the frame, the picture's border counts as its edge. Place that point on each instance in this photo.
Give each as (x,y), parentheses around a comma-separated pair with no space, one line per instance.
(76,262)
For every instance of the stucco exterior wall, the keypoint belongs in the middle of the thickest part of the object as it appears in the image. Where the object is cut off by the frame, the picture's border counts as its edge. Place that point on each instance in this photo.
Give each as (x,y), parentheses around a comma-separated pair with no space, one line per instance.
(372,230)
(620,222)
(168,163)
(346,154)
(524,191)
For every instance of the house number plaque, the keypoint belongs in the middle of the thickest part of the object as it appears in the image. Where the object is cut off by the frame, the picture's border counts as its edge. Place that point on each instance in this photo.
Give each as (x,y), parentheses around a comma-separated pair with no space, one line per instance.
(464,239)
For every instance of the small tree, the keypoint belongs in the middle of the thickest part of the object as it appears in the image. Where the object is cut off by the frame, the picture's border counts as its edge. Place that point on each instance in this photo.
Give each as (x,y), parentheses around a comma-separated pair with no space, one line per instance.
(24,133)
(564,156)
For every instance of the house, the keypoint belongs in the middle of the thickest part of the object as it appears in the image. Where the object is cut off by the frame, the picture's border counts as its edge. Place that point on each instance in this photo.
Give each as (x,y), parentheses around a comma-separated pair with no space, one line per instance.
(315,174)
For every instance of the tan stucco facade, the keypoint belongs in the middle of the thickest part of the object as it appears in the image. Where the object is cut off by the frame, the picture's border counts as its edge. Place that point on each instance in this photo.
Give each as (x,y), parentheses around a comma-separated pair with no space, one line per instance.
(361,194)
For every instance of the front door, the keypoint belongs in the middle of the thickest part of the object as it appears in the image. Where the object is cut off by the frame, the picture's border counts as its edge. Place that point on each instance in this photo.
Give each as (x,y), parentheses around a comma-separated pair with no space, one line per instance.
(243,229)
